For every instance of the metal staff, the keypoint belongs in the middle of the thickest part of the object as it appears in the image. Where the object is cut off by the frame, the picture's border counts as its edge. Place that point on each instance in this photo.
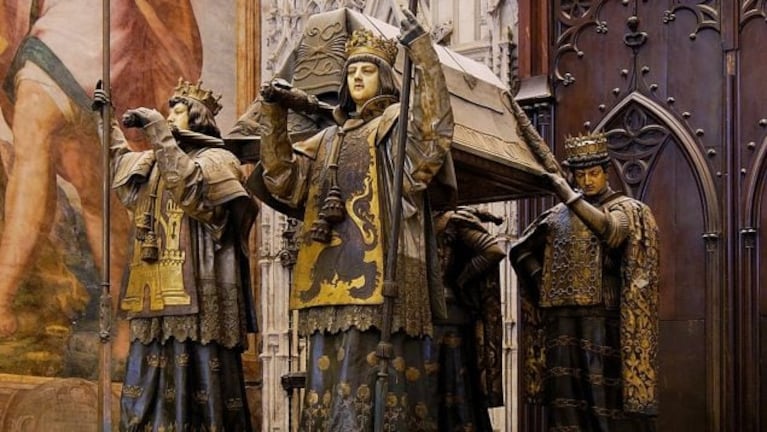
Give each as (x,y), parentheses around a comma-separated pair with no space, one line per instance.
(105,301)
(384,350)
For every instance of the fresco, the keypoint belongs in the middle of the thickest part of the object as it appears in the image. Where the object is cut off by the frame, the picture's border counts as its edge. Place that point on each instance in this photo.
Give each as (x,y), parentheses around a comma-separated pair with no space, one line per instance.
(51,176)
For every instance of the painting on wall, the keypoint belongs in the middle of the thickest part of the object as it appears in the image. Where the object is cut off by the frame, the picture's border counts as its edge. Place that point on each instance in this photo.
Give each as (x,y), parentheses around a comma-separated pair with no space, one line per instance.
(51,174)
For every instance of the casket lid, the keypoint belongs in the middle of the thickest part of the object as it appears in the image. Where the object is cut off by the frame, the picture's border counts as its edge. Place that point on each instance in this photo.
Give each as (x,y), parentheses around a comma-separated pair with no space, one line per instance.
(493,161)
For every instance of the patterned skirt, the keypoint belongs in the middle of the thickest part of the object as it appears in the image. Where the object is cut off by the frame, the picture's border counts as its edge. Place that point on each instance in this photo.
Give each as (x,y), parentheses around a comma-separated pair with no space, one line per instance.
(463,406)
(183,386)
(430,384)
(582,384)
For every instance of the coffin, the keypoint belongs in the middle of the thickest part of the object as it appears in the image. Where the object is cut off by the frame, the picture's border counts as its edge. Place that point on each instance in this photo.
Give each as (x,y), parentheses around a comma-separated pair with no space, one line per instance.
(494,159)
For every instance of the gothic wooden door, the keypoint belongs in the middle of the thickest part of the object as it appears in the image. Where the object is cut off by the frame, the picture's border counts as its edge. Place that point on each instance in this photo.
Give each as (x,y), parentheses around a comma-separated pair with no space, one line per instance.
(679,87)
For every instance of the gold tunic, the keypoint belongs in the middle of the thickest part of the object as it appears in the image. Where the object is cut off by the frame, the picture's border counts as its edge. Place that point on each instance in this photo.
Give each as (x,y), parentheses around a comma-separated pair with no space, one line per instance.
(161,285)
(349,269)
(339,285)
(189,195)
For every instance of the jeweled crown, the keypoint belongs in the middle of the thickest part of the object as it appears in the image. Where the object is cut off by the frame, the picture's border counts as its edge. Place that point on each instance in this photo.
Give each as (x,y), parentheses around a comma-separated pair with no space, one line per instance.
(363,41)
(586,150)
(196,92)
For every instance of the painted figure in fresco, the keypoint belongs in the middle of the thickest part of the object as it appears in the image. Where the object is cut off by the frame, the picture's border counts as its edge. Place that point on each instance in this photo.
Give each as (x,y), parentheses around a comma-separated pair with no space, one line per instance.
(186,294)
(341,181)
(50,53)
(470,338)
(589,268)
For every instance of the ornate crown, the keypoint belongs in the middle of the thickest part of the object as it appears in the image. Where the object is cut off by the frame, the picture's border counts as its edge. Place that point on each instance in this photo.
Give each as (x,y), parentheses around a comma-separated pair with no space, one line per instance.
(196,92)
(363,41)
(584,151)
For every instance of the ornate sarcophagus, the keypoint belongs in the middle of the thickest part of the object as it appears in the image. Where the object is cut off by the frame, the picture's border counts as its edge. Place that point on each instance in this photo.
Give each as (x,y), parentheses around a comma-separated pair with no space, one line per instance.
(496,153)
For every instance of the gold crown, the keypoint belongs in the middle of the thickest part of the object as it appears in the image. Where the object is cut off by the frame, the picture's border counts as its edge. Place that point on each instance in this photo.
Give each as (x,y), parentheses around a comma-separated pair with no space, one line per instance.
(363,41)
(195,91)
(586,150)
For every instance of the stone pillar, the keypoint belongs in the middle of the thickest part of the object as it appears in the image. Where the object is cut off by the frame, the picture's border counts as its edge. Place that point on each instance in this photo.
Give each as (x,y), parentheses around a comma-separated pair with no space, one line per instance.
(275,355)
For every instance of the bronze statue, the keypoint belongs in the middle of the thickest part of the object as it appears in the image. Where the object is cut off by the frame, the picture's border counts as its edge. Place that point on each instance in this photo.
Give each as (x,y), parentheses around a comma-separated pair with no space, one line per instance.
(186,294)
(341,181)
(469,340)
(589,273)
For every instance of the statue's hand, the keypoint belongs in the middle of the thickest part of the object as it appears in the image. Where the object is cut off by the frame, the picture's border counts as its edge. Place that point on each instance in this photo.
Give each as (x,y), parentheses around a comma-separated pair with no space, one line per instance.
(268,92)
(561,187)
(410,28)
(140,117)
(276,90)
(100,98)
(279,91)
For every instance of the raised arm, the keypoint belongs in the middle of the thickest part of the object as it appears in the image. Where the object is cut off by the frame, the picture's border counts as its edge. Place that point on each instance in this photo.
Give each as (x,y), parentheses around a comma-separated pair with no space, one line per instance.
(430,131)
(128,168)
(200,185)
(276,152)
(286,171)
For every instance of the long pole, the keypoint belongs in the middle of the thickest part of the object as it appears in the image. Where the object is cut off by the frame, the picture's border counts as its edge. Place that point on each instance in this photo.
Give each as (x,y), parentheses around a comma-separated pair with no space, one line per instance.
(384,350)
(105,302)
(534,139)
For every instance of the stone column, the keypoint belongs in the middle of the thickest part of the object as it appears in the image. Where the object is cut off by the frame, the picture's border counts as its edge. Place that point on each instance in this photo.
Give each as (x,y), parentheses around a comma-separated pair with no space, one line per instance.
(276,356)
(504,418)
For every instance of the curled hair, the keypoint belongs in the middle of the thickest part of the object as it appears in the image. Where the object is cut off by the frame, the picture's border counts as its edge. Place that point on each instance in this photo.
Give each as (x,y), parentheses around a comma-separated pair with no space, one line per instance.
(201,120)
(386,85)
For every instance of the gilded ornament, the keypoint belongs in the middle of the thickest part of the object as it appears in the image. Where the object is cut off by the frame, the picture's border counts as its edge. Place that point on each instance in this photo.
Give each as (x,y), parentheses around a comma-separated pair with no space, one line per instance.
(323,363)
(412,374)
(363,393)
(372,358)
(364,41)
(399,364)
(184,89)
(586,150)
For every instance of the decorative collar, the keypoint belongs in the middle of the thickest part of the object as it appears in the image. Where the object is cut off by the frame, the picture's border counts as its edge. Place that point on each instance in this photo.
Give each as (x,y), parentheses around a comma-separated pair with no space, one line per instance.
(374,107)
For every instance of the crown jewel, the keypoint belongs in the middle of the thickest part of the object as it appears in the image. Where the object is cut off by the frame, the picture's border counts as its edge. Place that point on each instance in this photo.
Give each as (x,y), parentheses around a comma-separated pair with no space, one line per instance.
(195,91)
(363,41)
(586,150)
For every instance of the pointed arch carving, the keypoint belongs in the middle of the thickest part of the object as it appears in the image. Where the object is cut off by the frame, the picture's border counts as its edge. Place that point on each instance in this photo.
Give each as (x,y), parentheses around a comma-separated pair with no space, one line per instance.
(689,147)
(755,183)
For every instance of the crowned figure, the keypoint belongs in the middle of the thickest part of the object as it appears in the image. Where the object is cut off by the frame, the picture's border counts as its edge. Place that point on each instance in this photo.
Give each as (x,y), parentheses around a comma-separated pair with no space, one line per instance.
(187,291)
(589,273)
(341,183)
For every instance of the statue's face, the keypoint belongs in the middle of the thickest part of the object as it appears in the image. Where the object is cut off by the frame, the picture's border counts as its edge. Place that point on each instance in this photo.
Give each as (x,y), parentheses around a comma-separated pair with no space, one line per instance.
(592,181)
(362,79)
(179,116)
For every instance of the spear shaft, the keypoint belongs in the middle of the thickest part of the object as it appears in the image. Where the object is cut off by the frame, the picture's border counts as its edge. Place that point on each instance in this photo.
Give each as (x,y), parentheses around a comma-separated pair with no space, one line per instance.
(105,300)
(384,351)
